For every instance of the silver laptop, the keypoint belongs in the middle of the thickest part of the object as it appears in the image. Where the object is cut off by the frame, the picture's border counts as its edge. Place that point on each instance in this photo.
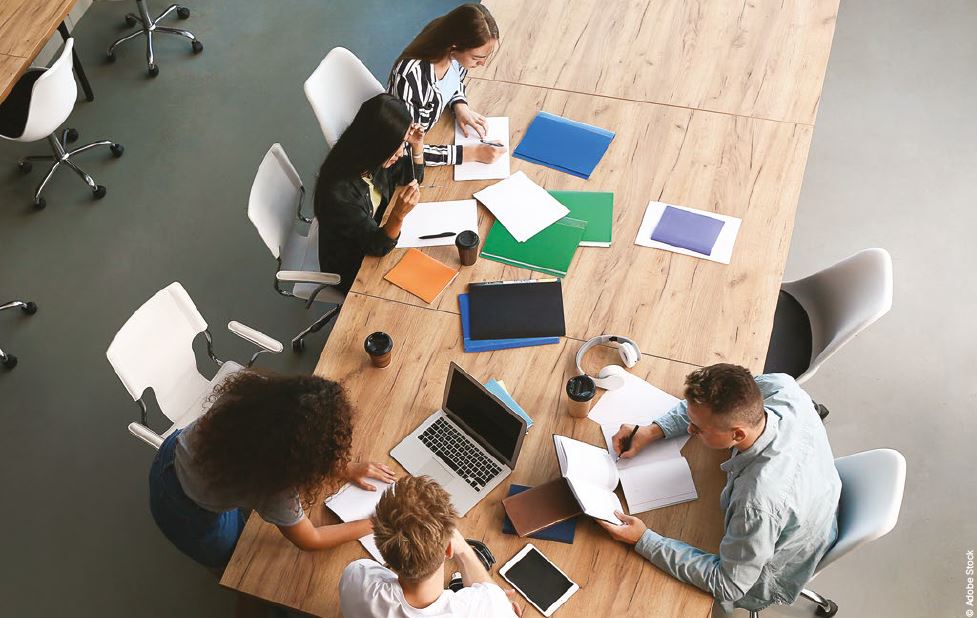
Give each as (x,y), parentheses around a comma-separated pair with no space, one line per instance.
(468,446)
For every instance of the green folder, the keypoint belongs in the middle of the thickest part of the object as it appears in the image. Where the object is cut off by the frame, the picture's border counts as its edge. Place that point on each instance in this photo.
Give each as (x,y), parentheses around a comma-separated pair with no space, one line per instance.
(550,251)
(596,208)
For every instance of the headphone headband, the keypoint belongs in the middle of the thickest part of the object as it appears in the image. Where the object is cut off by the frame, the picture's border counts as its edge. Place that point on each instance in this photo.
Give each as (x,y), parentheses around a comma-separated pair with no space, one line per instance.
(600,340)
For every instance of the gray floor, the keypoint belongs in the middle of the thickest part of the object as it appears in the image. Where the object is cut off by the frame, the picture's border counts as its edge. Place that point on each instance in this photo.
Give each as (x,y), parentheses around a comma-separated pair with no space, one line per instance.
(894,164)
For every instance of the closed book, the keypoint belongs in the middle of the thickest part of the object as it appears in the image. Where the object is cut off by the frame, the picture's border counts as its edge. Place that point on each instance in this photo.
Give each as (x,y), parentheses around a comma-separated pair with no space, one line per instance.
(550,251)
(534,510)
(421,275)
(512,309)
(688,230)
(594,207)
(487,345)
(563,144)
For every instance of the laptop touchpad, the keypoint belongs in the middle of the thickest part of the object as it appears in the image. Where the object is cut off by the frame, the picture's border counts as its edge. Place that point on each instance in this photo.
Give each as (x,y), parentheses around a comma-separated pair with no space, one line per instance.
(439,472)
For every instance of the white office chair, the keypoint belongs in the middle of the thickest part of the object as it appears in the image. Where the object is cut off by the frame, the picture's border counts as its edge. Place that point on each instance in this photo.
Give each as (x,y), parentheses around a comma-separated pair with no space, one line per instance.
(337,89)
(275,209)
(819,314)
(872,484)
(9,361)
(154,349)
(41,100)
(148,26)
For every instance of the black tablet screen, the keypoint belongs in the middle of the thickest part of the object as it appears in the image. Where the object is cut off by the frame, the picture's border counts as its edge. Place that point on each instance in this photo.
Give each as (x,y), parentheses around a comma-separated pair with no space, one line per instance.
(538,579)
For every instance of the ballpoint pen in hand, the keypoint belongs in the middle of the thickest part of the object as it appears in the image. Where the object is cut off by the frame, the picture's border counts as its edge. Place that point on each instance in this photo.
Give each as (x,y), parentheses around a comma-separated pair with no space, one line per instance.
(496,144)
(626,442)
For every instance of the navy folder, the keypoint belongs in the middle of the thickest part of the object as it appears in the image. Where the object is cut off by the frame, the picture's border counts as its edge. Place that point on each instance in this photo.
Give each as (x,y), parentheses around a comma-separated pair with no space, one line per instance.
(516,309)
(562,531)
(688,230)
(566,145)
(485,345)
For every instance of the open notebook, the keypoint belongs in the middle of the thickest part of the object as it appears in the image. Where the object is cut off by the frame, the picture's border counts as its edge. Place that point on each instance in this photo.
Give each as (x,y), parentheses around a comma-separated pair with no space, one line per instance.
(592,476)
(351,503)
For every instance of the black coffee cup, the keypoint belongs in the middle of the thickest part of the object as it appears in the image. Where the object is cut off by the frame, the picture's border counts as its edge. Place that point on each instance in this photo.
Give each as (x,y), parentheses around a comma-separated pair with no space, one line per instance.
(580,390)
(379,346)
(467,243)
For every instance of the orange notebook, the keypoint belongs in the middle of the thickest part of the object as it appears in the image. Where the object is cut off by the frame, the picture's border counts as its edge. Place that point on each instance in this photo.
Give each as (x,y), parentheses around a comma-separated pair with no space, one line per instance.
(421,275)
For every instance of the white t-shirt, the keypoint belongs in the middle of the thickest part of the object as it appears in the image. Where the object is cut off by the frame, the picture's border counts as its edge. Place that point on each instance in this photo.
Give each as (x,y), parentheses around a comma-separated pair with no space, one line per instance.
(368,590)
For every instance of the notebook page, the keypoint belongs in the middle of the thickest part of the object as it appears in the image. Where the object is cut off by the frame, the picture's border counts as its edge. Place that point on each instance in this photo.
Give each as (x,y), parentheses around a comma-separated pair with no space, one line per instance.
(657,485)
(498,132)
(587,463)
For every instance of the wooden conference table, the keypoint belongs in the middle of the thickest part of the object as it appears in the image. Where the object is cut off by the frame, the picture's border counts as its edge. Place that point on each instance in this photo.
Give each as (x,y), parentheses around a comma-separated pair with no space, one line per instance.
(696,127)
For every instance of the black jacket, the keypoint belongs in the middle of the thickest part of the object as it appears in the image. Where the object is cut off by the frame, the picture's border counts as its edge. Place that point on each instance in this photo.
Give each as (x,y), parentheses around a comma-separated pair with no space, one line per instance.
(348,227)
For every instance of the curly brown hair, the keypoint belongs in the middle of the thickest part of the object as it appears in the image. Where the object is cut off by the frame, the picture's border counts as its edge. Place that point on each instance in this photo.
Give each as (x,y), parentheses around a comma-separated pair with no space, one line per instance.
(729,391)
(268,433)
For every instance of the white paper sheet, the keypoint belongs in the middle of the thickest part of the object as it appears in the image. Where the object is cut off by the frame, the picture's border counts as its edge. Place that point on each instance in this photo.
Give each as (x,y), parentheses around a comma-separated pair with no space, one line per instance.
(351,503)
(658,485)
(436,217)
(498,131)
(722,251)
(522,206)
(636,401)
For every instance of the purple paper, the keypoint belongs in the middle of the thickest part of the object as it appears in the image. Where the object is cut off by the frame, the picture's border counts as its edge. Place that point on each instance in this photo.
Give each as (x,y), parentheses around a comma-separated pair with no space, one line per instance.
(688,230)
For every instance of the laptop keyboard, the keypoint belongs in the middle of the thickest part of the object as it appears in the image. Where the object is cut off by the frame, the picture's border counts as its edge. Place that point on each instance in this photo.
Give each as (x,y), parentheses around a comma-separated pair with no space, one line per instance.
(457,451)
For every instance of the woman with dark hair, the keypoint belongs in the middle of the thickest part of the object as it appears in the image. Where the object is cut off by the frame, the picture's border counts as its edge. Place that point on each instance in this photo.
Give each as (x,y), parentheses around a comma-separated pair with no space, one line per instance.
(430,73)
(269,442)
(356,183)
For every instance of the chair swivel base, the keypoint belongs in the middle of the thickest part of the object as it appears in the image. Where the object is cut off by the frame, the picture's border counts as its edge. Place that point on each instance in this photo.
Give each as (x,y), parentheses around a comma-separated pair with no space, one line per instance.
(9,361)
(63,156)
(150,27)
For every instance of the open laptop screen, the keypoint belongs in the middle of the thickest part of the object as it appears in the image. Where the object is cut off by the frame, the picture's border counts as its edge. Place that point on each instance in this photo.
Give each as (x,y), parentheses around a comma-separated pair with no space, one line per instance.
(487,419)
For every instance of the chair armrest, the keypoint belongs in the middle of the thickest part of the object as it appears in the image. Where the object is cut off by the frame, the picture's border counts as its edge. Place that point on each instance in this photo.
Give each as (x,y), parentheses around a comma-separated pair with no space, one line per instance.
(146,434)
(255,336)
(307,276)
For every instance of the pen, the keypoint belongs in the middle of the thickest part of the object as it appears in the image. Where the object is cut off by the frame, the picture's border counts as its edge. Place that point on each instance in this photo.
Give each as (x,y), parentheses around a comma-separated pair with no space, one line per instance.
(433,236)
(626,443)
(496,144)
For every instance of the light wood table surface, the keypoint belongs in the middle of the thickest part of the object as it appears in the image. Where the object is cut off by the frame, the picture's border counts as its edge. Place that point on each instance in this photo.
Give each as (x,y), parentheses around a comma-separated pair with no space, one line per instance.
(675,306)
(25,26)
(391,402)
(759,58)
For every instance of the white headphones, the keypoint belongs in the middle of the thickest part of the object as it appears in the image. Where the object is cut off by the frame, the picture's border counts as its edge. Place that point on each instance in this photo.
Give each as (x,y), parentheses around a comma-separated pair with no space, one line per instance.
(612,376)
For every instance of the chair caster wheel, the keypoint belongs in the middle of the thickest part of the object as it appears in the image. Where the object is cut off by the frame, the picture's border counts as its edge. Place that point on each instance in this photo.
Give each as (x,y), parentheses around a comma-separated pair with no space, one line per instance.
(110,56)
(298,345)
(117,150)
(99,192)
(197,47)
(831,611)
(25,167)
(130,21)
(183,12)
(40,203)
(72,136)
(10,361)
(153,70)
(30,308)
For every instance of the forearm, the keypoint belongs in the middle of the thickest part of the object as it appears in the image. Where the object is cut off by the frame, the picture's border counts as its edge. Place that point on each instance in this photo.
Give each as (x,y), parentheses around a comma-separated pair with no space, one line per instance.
(308,537)
(690,565)
(472,570)
(675,422)
(392,225)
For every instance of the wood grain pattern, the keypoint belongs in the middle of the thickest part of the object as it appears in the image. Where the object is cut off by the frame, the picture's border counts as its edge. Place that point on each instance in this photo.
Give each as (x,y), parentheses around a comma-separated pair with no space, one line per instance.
(674,306)
(392,401)
(758,58)
(25,26)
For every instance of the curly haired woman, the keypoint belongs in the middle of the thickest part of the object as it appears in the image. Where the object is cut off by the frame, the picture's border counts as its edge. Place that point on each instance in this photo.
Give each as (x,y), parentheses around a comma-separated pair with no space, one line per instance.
(269,442)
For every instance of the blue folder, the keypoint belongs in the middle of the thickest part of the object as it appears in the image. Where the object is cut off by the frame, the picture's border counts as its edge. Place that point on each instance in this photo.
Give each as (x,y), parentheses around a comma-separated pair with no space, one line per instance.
(496,389)
(562,532)
(485,345)
(566,145)
(688,230)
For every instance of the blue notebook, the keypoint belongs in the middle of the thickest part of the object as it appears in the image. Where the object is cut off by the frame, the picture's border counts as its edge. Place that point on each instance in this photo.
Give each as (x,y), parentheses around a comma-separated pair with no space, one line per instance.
(688,230)
(485,345)
(562,532)
(566,145)
(496,389)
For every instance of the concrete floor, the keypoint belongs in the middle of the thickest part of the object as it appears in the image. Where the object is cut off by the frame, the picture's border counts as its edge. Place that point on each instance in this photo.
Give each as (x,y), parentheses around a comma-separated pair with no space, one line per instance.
(893,164)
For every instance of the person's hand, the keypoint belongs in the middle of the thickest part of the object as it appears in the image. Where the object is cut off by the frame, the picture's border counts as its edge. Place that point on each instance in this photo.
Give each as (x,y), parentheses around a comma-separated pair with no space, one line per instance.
(467,118)
(458,543)
(360,471)
(644,437)
(515,601)
(483,153)
(415,137)
(408,198)
(629,532)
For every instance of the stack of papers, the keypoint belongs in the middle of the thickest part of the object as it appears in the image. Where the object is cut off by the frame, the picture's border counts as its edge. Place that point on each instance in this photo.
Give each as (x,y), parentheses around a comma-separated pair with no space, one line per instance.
(594,207)
(522,206)
(658,476)
(562,144)
(498,132)
(486,345)
(684,232)
(421,275)
(550,251)
(351,503)
(437,218)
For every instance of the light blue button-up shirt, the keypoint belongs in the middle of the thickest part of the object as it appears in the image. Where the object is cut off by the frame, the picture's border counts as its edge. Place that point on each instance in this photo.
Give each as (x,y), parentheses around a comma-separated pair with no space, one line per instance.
(780,500)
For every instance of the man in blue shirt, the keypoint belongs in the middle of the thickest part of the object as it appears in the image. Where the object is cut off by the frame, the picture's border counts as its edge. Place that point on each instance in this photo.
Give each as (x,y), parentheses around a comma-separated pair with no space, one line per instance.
(781,494)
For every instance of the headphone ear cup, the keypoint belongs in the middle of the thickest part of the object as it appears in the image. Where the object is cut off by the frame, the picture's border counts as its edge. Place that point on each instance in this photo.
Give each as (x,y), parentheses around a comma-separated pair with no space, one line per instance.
(629,354)
(611,377)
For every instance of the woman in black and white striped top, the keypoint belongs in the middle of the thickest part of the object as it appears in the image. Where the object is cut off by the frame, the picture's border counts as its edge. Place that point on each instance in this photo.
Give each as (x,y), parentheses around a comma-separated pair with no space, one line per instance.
(429,77)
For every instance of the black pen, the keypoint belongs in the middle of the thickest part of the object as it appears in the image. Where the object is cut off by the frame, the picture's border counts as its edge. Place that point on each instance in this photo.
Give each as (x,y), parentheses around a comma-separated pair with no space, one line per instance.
(626,443)
(433,236)
(496,144)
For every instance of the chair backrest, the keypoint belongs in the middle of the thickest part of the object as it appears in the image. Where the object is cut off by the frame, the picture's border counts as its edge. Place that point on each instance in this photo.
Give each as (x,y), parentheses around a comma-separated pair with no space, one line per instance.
(872,484)
(154,349)
(52,98)
(337,89)
(275,195)
(842,300)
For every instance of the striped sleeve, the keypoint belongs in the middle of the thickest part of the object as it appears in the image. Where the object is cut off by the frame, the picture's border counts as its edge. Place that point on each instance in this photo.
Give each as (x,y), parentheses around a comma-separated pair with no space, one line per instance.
(410,81)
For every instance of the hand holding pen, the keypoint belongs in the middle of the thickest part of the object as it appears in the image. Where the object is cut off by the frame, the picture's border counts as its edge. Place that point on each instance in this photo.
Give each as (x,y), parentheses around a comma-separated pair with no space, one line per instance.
(631,439)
